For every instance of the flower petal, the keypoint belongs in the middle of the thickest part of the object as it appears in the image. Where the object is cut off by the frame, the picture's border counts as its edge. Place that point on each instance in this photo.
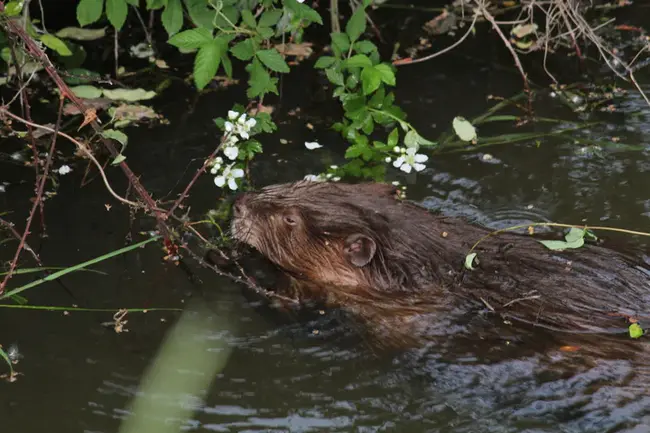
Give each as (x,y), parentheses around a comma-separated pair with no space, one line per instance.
(232,184)
(419,167)
(237,172)
(242,119)
(406,168)
(220,181)
(398,162)
(251,122)
(244,135)
(420,158)
(411,151)
(229,126)
(232,115)
(231,152)
(311,145)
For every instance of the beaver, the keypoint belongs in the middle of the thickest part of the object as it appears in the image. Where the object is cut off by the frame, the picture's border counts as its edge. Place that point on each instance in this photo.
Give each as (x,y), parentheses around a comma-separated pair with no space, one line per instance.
(399,269)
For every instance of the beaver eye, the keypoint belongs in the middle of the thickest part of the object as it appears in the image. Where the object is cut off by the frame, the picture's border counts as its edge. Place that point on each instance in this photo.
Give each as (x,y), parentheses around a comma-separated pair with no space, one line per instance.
(289,219)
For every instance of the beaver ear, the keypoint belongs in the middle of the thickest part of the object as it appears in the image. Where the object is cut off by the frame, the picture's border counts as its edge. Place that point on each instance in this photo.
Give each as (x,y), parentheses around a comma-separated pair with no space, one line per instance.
(359,249)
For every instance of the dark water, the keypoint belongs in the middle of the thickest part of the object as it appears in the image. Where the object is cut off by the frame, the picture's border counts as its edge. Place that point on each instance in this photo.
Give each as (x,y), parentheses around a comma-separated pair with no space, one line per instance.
(78,376)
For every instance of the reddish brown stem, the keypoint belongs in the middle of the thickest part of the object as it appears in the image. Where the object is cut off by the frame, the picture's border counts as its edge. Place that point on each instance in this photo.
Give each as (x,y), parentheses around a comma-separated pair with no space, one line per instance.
(37,200)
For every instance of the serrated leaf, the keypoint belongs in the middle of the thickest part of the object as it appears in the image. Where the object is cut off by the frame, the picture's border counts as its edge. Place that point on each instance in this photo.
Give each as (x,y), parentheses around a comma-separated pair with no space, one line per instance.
(273,60)
(341,41)
(354,151)
(86,92)
(356,25)
(172,17)
(116,11)
(248,18)
(335,77)
(469,261)
(364,47)
(89,11)
(129,95)
(387,74)
(370,80)
(358,61)
(464,129)
(260,82)
(324,62)
(270,18)
(56,44)
(80,34)
(118,136)
(206,63)
(393,137)
(227,64)
(191,39)
(243,50)
(636,331)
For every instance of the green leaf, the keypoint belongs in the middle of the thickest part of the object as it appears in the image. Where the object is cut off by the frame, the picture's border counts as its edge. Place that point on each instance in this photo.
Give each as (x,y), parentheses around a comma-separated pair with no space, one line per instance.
(364,47)
(356,25)
(324,62)
(370,80)
(335,76)
(273,60)
(116,11)
(156,4)
(387,74)
(248,18)
(191,39)
(119,158)
(354,151)
(14,8)
(80,76)
(118,136)
(227,64)
(469,260)
(464,129)
(562,245)
(341,41)
(172,17)
(129,95)
(265,32)
(135,3)
(56,44)
(574,235)
(358,61)
(393,137)
(244,50)
(636,331)
(260,82)
(270,18)
(86,92)
(80,34)
(206,63)
(89,11)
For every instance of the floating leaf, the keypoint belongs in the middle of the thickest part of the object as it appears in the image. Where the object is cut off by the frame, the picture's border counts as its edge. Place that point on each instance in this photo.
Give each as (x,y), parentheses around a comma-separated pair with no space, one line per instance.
(116,11)
(80,76)
(79,34)
(56,44)
(129,95)
(172,17)
(469,260)
(464,129)
(636,331)
(89,11)
(574,239)
(191,39)
(273,60)
(207,63)
(86,92)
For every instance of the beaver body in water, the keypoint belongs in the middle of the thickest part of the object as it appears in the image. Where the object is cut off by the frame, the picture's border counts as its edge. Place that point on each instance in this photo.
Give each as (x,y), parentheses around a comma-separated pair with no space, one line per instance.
(399,269)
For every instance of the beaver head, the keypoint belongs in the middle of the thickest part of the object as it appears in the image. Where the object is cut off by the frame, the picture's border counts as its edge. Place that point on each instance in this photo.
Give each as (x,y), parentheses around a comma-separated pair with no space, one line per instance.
(339,234)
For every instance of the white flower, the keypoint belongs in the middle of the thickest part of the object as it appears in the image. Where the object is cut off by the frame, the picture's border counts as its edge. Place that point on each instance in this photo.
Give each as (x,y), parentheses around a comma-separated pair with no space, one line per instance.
(410,160)
(231,152)
(300,1)
(336,179)
(64,169)
(311,145)
(216,165)
(229,126)
(314,177)
(251,123)
(232,115)
(334,167)
(388,159)
(229,176)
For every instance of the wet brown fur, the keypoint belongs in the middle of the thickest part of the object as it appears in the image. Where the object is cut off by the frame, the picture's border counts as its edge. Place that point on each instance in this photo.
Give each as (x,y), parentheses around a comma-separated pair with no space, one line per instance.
(415,283)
